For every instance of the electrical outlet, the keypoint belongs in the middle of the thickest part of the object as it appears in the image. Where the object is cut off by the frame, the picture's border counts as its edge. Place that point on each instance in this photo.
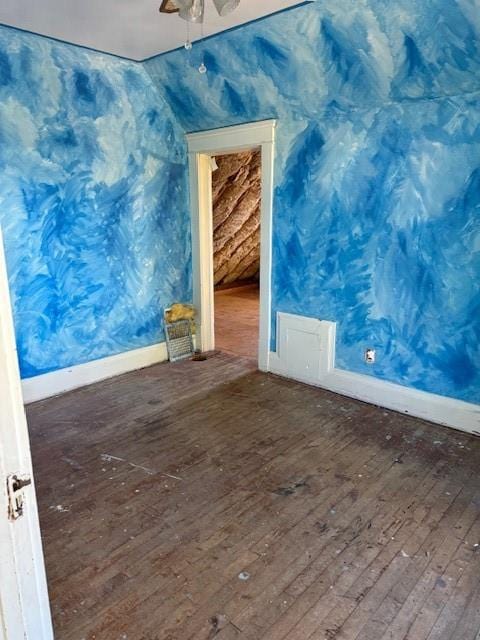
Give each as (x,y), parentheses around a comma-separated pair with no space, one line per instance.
(369,356)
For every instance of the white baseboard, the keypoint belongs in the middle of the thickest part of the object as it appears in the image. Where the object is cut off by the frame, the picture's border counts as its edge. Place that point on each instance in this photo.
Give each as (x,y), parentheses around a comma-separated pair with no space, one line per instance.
(306,352)
(429,406)
(56,382)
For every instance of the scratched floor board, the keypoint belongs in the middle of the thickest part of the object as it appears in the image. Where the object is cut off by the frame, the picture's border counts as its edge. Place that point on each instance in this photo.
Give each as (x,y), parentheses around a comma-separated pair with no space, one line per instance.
(352,522)
(329,576)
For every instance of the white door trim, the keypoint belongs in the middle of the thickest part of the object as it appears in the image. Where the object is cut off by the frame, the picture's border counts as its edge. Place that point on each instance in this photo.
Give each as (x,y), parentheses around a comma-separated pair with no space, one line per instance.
(201,147)
(24,606)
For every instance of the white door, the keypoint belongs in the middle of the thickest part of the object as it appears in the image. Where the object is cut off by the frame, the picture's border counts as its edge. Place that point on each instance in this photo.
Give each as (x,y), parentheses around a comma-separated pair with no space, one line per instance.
(24,606)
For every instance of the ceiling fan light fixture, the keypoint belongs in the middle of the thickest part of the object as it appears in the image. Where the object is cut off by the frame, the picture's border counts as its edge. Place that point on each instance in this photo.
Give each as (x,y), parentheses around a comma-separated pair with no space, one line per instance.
(225,6)
(182,4)
(194,11)
(191,10)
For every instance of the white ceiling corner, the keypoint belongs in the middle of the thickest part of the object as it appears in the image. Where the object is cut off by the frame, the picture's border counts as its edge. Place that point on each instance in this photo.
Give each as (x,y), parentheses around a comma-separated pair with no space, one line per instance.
(130,28)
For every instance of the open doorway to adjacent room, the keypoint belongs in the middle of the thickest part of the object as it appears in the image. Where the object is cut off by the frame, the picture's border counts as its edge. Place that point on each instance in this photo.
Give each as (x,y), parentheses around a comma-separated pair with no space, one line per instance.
(236,203)
(239,192)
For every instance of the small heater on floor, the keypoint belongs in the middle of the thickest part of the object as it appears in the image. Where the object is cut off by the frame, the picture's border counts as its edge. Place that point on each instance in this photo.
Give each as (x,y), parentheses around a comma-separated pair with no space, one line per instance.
(178,334)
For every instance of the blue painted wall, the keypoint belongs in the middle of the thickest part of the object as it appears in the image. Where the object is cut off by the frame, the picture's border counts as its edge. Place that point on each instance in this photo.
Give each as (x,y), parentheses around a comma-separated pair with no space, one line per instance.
(93,202)
(377,198)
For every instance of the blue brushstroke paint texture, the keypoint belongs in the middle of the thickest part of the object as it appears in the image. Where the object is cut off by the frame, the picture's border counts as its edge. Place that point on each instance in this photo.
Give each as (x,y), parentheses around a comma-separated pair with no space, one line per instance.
(377,188)
(94,206)
(377,195)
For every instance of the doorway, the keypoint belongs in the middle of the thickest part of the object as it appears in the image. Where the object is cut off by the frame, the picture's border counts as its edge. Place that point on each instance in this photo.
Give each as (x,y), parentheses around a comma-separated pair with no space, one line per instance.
(203,146)
(236,198)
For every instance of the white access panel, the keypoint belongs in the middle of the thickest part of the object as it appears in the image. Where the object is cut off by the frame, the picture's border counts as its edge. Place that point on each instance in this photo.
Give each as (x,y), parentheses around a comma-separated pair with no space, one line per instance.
(305,346)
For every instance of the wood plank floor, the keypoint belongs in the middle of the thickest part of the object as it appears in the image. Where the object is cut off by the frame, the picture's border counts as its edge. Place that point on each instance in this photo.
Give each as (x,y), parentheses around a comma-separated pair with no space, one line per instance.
(206,499)
(237,320)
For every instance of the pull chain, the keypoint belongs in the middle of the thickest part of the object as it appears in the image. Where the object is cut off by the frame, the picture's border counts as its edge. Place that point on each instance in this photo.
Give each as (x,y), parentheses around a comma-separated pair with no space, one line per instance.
(188,42)
(202,68)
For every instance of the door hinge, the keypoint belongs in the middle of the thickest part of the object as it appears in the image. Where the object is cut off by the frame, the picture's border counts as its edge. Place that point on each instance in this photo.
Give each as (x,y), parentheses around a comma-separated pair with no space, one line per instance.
(16,498)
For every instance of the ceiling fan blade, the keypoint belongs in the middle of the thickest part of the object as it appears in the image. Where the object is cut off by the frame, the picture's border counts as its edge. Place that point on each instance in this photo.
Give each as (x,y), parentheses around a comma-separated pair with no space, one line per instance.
(167,6)
(225,6)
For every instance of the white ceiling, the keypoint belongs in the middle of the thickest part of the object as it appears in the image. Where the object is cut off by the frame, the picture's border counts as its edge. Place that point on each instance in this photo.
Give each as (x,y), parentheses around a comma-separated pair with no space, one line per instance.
(130,28)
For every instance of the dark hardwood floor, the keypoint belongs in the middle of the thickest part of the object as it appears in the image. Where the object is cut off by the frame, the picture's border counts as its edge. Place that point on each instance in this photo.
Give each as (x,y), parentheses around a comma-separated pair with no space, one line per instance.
(206,499)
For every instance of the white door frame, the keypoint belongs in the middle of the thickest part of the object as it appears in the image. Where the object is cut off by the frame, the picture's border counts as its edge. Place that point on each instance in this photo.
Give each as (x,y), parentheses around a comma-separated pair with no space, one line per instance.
(201,147)
(24,606)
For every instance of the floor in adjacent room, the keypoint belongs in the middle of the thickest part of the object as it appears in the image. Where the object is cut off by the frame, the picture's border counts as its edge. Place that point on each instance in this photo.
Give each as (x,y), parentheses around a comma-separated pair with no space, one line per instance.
(207,499)
(237,320)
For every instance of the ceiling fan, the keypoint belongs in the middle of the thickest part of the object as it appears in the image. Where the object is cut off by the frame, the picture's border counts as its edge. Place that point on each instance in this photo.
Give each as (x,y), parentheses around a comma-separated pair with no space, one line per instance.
(193,10)
(167,6)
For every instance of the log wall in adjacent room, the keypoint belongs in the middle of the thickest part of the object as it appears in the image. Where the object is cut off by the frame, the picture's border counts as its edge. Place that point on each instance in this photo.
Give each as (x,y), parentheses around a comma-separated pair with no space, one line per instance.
(236,188)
